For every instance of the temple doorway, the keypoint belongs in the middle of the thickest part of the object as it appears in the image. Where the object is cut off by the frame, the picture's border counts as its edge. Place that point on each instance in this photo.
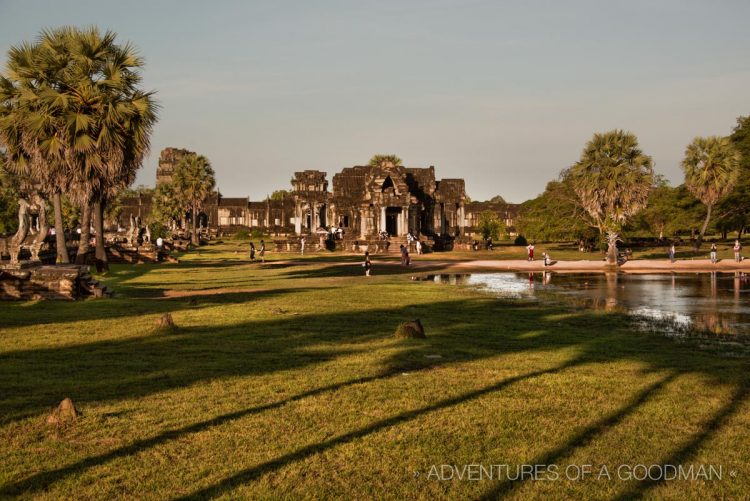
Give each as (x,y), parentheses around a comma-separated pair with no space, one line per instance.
(391,220)
(322,216)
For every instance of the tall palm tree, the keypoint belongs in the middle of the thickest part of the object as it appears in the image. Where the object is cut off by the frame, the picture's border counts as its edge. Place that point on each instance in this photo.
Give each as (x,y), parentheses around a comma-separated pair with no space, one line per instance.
(194,180)
(30,125)
(612,180)
(85,119)
(712,168)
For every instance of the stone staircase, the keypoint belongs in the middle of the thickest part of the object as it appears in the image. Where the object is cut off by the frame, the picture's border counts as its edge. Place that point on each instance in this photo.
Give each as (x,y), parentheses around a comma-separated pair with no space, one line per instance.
(88,285)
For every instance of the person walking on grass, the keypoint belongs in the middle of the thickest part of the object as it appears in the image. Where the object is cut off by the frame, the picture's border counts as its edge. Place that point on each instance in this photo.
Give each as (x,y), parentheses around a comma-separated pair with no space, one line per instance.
(672,252)
(737,250)
(252,252)
(367,265)
(262,251)
(713,254)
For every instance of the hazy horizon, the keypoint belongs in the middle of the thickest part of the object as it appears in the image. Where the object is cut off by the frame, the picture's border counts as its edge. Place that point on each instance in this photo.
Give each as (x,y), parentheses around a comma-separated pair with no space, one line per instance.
(501,94)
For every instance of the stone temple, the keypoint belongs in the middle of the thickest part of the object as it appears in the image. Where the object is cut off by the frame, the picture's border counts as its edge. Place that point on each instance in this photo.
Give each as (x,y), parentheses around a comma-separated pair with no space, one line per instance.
(365,202)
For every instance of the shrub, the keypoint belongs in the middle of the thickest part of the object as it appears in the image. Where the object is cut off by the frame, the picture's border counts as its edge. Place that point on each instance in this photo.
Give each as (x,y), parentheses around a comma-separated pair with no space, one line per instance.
(521,240)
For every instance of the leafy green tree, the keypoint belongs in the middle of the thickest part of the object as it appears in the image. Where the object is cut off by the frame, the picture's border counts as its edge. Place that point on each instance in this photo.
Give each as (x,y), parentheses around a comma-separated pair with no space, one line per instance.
(279,194)
(670,211)
(556,214)
(384,160)
(612,180)
(497,199)
(166,205)
(194,179)
(490,225)
(711,167)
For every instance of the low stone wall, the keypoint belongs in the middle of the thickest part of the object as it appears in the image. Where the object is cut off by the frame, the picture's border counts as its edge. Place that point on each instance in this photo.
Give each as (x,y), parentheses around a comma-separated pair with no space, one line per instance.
(29,282)
(118,254)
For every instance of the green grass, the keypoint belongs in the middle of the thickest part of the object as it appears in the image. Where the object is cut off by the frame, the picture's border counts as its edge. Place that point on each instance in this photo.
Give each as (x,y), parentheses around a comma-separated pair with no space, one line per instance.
(286,381)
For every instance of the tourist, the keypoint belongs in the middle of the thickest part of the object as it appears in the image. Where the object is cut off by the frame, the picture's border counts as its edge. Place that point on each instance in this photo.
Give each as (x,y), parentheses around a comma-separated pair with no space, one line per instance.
(367,265)
(252,252)
(547,259)
(490,245)
(530,252)
(737,250)
(159,242)
(302,245)
(713,254)
(672,252)
(262,251)
(475,246)
(405,260)
(419,247)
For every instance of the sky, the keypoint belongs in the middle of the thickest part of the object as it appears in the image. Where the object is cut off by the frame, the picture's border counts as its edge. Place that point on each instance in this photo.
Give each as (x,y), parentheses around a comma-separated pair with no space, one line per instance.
(504,94)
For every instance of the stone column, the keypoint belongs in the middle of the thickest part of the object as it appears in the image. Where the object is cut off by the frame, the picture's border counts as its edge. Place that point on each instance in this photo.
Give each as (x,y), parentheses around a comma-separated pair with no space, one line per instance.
(382,219)
(461,219)
(298,219)
(363,218)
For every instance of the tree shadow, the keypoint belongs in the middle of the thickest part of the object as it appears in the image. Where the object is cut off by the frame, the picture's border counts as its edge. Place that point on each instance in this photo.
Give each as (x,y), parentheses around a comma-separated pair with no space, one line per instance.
(470,330)
(254,472)
(693,444)
(583,437)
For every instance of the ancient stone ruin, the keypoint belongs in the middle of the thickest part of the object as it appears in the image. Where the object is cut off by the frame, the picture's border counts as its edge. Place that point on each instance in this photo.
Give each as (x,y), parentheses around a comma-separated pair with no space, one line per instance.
(363,207)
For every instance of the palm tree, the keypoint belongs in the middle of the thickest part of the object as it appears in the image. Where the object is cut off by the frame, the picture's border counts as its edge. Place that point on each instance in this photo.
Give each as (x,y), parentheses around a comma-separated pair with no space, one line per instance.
(612,180)
(712,167)
(74,112)
(384,160)
(194,180)
(30,125)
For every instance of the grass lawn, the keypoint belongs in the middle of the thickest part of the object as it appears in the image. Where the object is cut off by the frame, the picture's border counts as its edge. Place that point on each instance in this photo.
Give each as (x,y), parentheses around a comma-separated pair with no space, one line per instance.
(285,381)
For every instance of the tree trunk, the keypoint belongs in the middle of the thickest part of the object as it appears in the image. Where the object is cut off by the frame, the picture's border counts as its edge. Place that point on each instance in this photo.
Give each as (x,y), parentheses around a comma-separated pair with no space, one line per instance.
(62,249)
(101,253)
(703,228)
(612,247)
(196,241)
(83,242)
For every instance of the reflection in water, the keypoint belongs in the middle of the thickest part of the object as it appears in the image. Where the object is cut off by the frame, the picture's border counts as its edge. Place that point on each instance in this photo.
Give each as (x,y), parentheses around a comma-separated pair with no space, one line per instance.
(708,302)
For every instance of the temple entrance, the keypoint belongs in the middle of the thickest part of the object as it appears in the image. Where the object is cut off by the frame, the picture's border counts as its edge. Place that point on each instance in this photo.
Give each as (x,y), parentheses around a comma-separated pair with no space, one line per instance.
(391,220)
(322,216)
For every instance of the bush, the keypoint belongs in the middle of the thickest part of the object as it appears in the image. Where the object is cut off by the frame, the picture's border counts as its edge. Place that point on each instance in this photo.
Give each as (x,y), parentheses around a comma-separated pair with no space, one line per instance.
(158,230)
(242,235)
(521,240)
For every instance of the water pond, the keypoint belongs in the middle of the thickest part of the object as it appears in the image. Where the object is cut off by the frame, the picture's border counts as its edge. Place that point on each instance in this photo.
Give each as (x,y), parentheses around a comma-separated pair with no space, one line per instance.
(713,302)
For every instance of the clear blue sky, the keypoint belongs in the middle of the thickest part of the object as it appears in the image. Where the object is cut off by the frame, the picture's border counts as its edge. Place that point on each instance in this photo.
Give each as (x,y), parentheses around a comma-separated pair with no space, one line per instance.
(503,94)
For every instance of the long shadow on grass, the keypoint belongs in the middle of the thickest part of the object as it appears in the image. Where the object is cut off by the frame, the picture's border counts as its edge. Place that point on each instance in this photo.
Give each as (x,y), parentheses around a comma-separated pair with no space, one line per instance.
(471,329)
(113,369)
(42,480)
(583,437)
(689,448)
(254,472)
(61,312)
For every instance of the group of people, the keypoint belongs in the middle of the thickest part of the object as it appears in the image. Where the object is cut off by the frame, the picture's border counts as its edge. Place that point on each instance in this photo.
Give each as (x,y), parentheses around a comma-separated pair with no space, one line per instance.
(714,252)
(417,243)
(261,251)
(488,243)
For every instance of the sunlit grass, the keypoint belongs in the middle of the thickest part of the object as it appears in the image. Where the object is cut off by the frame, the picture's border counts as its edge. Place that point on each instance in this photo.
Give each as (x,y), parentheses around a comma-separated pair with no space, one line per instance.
(289,383)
